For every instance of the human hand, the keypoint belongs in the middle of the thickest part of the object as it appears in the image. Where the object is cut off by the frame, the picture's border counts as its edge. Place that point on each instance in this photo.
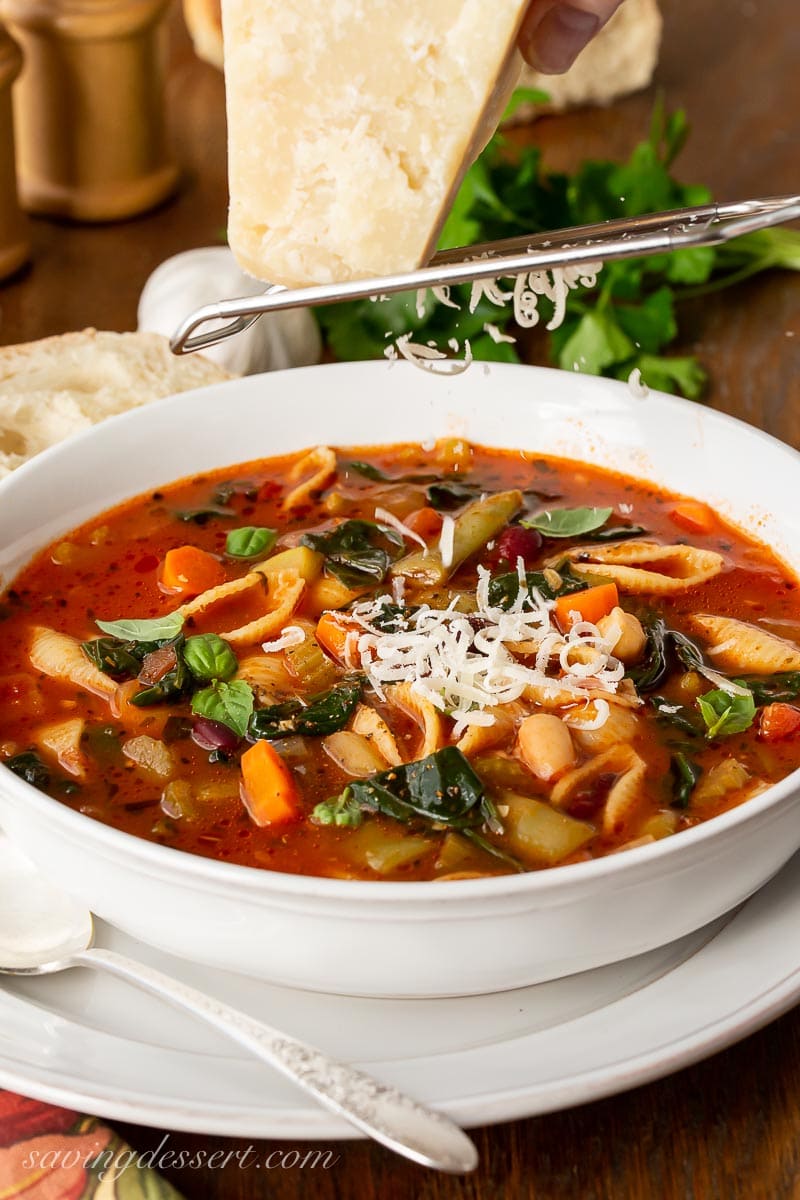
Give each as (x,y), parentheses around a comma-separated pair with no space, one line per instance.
(555,31)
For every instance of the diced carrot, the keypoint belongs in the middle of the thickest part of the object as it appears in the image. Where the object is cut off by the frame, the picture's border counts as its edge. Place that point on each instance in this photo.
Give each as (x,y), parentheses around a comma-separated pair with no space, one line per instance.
(693,516)
(778,721)
(188,571)
(269,792)
(332,633)
(426,522)
(591,605)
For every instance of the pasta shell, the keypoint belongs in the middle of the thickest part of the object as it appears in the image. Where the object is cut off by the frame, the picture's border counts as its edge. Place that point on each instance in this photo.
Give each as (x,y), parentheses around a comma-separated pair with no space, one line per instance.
(371,725)
(60,657)
(267,676)
(484,737)
(667,569)
(63,740)
(737,646)
(354,754)
(626,795)
(620,726)
(322,464)
(282,593)
(725,777)
(402,696)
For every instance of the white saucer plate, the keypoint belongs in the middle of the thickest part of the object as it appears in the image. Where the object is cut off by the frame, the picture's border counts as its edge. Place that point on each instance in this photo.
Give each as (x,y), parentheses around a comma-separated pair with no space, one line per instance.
(96,1044)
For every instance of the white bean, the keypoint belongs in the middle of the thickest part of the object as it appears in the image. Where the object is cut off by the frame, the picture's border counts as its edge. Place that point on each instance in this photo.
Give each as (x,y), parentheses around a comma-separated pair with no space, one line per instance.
(545,745)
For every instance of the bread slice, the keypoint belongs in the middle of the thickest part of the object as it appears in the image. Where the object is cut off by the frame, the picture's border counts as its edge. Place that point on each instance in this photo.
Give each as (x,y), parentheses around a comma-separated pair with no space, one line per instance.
(350,124)
(620,60)
(55,387)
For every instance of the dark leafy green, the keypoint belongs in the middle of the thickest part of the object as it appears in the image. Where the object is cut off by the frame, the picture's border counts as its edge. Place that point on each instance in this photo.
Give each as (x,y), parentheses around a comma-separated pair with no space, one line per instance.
(772,689)
(344,811)
(567,522)
(504,589)
(393,618)
(679,715)
(378,476)
(357,553)
(615,533)
(725,713)
(204,514)
(684,774)
(118,659)
(323,715)
(662,644)
(170,686)
(492,848)
(250,541)
(29,766)
(447,495)
(230,704)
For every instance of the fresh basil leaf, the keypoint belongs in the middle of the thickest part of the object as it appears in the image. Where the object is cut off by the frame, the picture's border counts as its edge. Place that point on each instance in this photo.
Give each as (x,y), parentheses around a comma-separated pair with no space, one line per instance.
(29,766)
(230,704)
(250,541)
(323,715)
(684,775)
(210,657)
(442,788)
(357,553)
(447,496)
(154,629)
(377,476)
(201,516)
(567,522)
(504,589)
(725,713)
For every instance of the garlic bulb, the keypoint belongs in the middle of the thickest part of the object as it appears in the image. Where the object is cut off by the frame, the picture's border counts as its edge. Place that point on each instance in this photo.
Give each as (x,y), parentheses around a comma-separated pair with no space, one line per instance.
(196,277)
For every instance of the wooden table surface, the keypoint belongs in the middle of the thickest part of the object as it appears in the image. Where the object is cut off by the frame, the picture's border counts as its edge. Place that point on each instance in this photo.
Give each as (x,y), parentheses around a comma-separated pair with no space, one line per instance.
(728,1128)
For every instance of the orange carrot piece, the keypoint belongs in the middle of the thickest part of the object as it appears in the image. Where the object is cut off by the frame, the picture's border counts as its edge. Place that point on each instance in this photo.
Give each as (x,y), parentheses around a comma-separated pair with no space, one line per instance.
(693,516)
(269,793)
(591,605)
(188,571)
(426,522)
(332,633)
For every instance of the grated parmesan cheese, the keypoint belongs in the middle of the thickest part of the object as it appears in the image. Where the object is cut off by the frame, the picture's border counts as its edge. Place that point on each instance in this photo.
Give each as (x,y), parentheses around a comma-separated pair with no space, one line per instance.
(382,514)
(292,635)
(447,540)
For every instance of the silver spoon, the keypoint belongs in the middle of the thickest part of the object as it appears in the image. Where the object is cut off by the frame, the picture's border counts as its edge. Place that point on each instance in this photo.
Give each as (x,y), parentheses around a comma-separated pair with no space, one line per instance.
(43,930)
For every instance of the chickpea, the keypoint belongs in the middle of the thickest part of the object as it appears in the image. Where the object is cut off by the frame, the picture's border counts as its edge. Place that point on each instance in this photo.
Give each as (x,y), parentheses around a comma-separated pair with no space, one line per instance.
(545,746)
(625,630)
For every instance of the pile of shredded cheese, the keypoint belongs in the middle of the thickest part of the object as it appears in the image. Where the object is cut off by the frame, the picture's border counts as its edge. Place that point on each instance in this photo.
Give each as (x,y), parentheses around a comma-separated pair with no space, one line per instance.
(462,663)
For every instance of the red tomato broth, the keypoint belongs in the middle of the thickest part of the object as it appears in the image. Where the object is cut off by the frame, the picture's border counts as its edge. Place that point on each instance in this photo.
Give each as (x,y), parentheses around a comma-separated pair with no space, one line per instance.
(112,572)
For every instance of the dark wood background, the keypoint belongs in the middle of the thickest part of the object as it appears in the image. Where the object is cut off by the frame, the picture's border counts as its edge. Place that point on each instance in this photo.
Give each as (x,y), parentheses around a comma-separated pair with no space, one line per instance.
(728,1128)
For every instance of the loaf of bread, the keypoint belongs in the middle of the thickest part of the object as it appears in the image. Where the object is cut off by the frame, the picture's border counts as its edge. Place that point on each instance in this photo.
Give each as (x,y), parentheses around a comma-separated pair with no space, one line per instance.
(55,387)
(350,125)
(620,60)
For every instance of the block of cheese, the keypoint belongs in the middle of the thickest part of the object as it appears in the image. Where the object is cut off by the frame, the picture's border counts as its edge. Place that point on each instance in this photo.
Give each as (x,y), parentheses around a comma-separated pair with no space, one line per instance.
(350,124)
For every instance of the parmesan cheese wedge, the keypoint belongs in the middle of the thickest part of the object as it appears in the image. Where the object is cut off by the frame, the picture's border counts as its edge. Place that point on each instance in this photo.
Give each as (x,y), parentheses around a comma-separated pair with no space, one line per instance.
(351,123)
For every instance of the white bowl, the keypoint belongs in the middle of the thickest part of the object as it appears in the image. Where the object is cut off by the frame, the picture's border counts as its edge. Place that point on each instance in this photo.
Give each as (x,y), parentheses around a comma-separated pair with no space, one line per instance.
(407,939)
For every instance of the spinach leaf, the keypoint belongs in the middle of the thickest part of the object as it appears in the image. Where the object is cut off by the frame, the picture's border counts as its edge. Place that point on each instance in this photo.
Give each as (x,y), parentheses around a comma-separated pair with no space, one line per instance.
(155,629)
(567,522)
(250,541)
(662,643)
(169,686)
(118,659)
(29,766)
(201,516)
(616,533)
(688,652)
(491,848)
(229,703)
(446,495)
(772,689)
(323,715)
(725,714)
(377,476)
(393,618)
(442,788)
(684,775)
(209,656)
(504,589)
(676,714)
(356,552)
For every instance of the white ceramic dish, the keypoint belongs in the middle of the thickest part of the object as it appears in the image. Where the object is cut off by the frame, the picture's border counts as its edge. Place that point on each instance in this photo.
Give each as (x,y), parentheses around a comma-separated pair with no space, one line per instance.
(97,1045)
(410,939)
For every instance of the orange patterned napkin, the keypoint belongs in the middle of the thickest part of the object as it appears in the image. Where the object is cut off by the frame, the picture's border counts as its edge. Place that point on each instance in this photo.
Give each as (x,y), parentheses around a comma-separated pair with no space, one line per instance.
(49,1153)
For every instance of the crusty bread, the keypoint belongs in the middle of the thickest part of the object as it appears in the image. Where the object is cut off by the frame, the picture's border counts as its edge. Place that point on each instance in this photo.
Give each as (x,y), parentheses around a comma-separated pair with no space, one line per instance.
(620,60)
(55,387)
(204,22)
(350,126)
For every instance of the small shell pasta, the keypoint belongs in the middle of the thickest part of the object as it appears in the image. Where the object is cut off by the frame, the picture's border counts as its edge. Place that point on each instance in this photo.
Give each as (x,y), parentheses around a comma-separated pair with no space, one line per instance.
(268,677)
(736,646)
(371,725)
(282,593)
(620,726)
(626,796)
(321,462)
(403,696)
(60,657)
(485,737)
(664,570)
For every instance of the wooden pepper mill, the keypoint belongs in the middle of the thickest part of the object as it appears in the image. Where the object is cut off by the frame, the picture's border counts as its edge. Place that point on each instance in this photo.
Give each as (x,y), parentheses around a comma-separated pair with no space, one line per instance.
(14,244)
(89,107)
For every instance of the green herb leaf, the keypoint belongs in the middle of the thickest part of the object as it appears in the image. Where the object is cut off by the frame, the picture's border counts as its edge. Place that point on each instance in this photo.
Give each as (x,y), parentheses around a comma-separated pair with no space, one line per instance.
(442,788)
(357,553)
(208,512)
(250,541)
(377,476)
(568,522)
(29,766)
(155,629)
(772,689)
(616,533)
(679,715)
(344,811)
(229,703)
(210,657)
(323,715)
(725,713)
(504,589)
(684,775)
(447,496)
(117,659)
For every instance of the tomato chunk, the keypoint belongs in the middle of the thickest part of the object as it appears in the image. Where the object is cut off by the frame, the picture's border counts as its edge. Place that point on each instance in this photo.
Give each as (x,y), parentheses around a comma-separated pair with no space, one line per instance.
(778,721)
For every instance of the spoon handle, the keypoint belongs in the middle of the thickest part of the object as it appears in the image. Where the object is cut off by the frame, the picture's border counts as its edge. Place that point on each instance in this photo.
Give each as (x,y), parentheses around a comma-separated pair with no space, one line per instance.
(381,1111)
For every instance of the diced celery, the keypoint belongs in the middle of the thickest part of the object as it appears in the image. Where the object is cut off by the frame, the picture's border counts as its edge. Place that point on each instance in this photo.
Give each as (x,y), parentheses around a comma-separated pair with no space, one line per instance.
(478,523)
(310,664)
(539,834)
(384,852)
